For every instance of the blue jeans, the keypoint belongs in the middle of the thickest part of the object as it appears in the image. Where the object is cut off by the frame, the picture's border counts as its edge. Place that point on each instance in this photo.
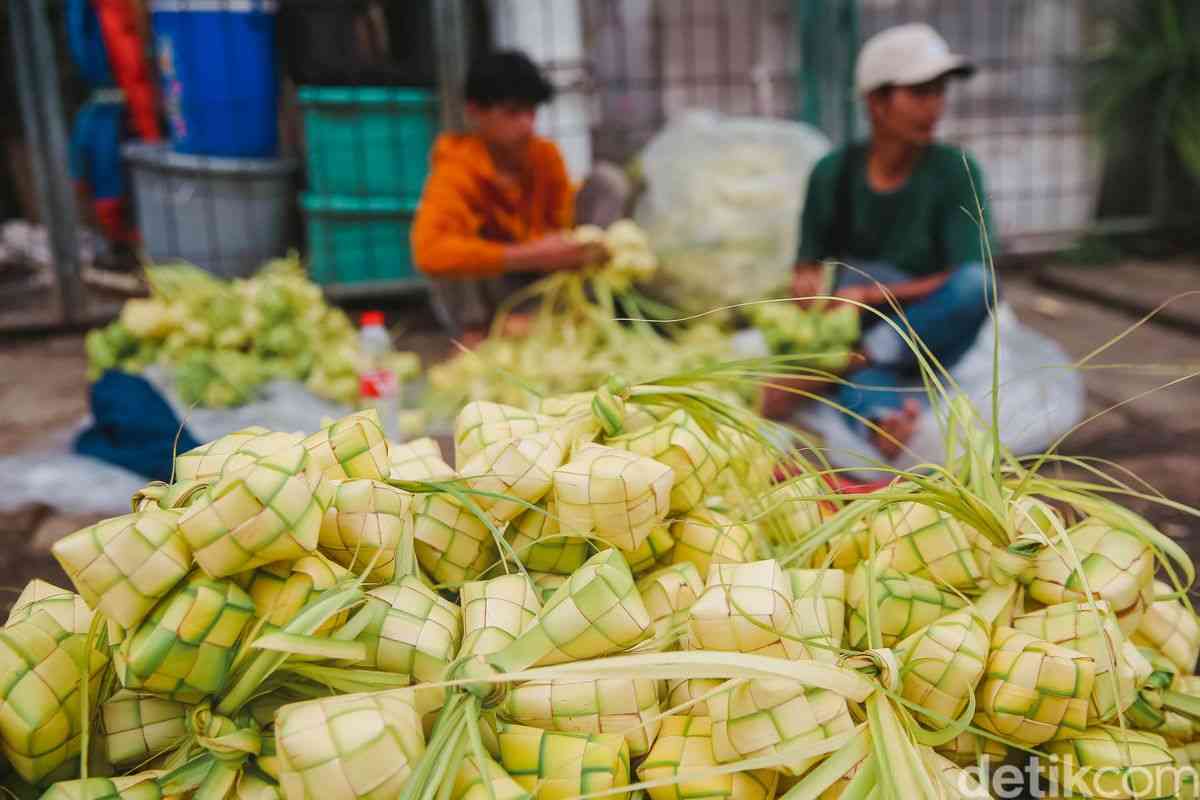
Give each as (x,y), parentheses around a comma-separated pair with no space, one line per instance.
(947,321)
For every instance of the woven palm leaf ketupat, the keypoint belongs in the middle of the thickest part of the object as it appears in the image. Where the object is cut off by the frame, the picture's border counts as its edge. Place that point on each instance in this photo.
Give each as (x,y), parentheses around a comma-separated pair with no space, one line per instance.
(352,447)
(269,510)
(482,423)
(746,608)
(1115,564)
(789,510)
(628,706)
(67,608)
(1092,630)
(542,547)
(1033,691)
(251,786)
(143,786)
(490,783)
(684,747)
(768,716)
(943,663)
(690,695)
(418,460)
(135,726)
(185,647)
(904,604)
(668,594)
(654,551)
(917,539)
(348,747)
(705,537)
(1106,761)
(819,607)
(234,450)
(495,612)
(615,494)
(970,749)
(547,583)
(41,671)
(1170,627)
(679,443)
(282,589)
(409,630)
(124,565)
(363,526)
(597,612)
(452,544)
(556,765)
(521,469)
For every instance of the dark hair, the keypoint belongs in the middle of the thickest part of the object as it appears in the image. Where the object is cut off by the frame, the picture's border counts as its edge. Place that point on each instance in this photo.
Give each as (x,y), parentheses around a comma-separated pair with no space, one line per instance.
(507,76)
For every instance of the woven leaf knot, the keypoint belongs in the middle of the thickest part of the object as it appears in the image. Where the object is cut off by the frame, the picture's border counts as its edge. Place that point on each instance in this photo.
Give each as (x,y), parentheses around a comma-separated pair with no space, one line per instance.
(881,664)
(227,741)
(479,672)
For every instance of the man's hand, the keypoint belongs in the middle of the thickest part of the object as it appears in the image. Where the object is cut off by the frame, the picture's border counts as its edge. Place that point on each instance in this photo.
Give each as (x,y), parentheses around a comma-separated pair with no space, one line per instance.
(806,281)
(552,253)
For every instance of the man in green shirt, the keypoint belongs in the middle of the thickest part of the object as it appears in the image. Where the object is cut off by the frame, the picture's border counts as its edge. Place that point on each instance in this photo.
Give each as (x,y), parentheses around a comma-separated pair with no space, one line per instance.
(902,210)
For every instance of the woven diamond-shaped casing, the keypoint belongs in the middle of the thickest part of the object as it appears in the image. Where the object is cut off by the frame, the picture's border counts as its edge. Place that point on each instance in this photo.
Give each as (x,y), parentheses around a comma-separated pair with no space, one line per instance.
(628,706)
(1033,691)
(819,605)
(495,612)
(123,787)
(348,747)
(943,663)
(679,443)
(615,494)
(185,647)
(562,764)
(490,783)
(234,450)
(903,605)
(363,525)
(540,544)
(765,717)
(68,609)
(1093,631)
(670,590)
(597,612)
(684,747)
(418,460)
(690,695)
(791,510)
(352,447)
(967,749)
(520,470)
(41,673)
(452,544)
(705,537)
(1111,762)
(282,589)
(1171,628)
(746,608)
(136,726)
(1116,565)
(920,540)
(413,630)
(267,511)
(547,583)
(482,423)
(124,565)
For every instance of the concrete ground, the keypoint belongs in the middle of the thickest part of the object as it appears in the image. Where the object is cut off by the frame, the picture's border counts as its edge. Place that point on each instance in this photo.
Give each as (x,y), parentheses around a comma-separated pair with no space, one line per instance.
(1155,436)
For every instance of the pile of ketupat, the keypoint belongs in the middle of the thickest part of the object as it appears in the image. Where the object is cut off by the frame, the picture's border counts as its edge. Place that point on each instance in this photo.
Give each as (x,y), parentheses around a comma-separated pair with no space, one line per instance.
(223,339)
(606,594)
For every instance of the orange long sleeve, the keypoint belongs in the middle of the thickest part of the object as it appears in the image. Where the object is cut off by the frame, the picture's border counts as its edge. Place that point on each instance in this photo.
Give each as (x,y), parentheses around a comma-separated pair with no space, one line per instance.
(467,215)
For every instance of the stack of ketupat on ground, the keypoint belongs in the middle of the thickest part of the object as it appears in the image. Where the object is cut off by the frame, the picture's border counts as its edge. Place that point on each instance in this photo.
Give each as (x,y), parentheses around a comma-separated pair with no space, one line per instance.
(606,594)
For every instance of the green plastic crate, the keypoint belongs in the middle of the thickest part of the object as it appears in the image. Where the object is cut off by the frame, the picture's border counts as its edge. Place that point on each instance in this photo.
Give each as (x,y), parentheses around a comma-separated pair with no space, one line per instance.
(368,141)
(358,240)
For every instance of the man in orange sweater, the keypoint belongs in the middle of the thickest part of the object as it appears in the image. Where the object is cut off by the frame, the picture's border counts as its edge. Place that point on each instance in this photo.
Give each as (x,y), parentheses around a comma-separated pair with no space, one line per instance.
(498,199)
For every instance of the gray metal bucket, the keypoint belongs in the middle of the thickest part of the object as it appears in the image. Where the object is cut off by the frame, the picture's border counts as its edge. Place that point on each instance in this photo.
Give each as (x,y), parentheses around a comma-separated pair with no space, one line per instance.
(226,215)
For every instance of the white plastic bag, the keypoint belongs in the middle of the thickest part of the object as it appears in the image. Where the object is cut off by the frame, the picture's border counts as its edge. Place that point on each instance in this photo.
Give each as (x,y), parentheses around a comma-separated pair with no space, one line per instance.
(722,206)
(1041,398)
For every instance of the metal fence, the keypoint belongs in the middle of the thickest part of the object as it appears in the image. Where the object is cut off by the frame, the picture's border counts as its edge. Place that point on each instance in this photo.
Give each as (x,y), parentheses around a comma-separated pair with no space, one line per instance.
(624,69)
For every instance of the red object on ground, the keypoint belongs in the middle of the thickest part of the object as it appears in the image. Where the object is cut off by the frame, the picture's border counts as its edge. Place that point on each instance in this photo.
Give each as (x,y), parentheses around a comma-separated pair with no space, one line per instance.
(838,483)
(370,318)
(126,55)
(113,216)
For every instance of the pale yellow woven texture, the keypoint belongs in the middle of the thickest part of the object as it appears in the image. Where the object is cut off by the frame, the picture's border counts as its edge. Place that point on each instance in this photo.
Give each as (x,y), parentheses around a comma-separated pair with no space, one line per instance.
(452,544)
(1171,628)
(628,706)
(746,608)
(942,664)
(495,612)
(919,540)
(521,469)
(679,443)
(684,747)
(418,460)
(364,524)
(352,447)
(707,537)
(234,450)
(482,423)
(617,495)
(903,605)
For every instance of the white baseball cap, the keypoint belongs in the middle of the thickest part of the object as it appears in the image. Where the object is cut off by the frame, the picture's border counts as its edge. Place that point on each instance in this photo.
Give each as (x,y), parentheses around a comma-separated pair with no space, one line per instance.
(906,55)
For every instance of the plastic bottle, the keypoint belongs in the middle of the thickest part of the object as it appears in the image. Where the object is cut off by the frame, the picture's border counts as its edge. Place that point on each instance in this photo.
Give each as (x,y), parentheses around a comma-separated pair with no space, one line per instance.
(377,384)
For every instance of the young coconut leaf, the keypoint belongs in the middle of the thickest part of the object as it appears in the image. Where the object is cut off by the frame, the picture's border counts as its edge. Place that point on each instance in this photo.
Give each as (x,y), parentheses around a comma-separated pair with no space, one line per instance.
(511,475)
(903,604)
(68,609)
(626,706)
(654,551)
(537,540)
(819,606)
(233,450)
(452,544)
(1170,627)
(135,726)
(684,746)
(917,539)
(746,608)
(482,423)
(707,537)
(668,594)
(942,665)
(681,444)
(409,629)
(554,765)
(124,565)
(495,612)
(418,460)
(282,589)
(691,695)
(143,786)
(1107,761)
(490,783)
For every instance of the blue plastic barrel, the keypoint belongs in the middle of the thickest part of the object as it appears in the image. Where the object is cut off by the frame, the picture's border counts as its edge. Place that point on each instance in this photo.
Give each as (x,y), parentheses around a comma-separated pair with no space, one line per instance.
(217,62)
